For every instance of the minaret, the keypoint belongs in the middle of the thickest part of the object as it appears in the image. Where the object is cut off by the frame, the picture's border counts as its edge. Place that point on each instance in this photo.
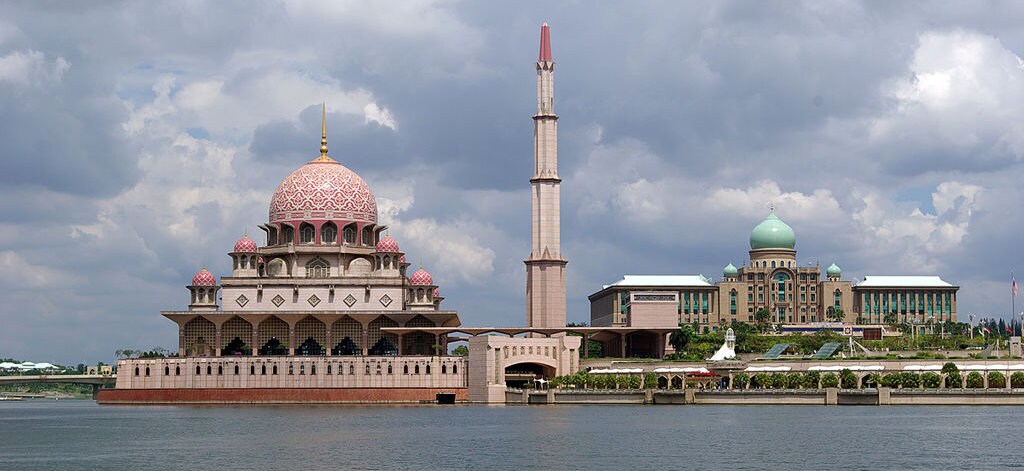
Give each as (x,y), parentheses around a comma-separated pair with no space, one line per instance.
(545,268)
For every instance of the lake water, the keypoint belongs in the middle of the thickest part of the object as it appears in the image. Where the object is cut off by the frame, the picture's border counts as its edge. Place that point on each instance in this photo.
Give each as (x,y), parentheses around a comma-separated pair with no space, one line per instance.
(38,435)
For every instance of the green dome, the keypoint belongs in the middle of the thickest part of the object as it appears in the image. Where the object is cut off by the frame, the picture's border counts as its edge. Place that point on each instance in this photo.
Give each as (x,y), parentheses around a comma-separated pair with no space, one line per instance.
(833,270)
(730,270)
(772,233)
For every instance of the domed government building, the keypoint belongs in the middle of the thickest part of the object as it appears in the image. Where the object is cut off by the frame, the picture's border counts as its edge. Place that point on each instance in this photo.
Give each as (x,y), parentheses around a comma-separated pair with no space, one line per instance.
(798,297)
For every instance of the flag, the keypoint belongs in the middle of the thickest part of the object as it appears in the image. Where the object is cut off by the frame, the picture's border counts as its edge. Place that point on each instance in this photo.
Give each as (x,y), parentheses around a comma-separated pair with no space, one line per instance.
(1013,285)
(1008,329)
(985,329)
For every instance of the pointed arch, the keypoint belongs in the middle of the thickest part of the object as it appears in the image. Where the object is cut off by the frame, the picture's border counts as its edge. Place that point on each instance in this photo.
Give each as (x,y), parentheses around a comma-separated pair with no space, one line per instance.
(236,333)
(272,336)
(318,268)
(329,233)
(349,334)
(311,335)
(199,337)
(307,234)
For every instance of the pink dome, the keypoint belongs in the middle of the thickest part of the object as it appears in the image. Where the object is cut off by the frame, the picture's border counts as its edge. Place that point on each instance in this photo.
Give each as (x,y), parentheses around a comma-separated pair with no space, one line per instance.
(437,293)
(387,244)
(402,258)
(205,278)
(323,190)
(421,277)
(245,244)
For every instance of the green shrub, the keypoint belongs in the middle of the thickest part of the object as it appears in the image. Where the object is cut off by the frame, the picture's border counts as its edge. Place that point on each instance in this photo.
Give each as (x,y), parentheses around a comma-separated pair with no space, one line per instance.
(740,381)
(891,380)
(950,368)
(931,380)
(794,380)
(650,380)
(975,380)
(910,380)
(996,379)
(811,379)
(873,379)
(760,380)
(847,379)
(778,380)
(1017,380)
(954,380)
(829,380)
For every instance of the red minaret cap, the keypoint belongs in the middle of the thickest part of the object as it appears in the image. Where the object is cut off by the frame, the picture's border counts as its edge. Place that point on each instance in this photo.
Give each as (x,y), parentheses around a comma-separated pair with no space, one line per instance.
(545,43)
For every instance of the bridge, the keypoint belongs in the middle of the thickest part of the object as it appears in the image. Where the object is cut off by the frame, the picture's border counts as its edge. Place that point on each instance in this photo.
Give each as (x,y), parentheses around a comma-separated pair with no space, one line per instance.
(96,381)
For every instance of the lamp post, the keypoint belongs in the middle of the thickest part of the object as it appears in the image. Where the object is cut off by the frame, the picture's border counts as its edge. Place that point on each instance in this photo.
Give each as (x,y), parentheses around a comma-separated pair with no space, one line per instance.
(970,318)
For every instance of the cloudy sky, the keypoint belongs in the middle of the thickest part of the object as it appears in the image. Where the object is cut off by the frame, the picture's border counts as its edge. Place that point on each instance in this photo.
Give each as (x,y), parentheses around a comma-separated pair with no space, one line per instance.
(138,140)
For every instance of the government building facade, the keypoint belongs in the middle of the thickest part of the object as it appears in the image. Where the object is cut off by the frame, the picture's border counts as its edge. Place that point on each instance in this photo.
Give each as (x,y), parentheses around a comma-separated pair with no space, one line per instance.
(772,280)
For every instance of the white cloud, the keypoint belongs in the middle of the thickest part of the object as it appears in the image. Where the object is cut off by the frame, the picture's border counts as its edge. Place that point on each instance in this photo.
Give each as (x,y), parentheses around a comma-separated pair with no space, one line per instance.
(961,93)
(31,68)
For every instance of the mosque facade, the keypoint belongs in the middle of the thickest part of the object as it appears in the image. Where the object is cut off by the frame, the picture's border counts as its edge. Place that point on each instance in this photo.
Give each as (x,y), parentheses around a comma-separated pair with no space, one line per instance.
(771,280)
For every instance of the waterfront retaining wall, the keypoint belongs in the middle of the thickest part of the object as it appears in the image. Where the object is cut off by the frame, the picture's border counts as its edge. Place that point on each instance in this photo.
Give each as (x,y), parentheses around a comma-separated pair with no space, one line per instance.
(276,396)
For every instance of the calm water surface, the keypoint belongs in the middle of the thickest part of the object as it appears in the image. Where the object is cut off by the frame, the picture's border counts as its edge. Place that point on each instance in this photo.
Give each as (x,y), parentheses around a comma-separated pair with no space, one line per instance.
(36,435)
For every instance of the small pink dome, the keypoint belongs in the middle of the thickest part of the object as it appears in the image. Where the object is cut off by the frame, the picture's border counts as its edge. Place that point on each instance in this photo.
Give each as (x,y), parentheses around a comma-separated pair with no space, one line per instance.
(437,293)
(421,277)
(205,278)
(245,245)
(387,244)
(402,258)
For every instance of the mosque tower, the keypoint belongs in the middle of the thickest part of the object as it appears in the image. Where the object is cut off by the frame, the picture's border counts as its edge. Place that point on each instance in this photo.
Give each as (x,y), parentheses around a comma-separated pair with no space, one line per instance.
(545,268)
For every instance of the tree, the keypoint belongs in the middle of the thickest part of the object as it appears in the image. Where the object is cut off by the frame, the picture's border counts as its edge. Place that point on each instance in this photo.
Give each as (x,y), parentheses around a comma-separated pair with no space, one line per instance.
(460,351)
(740,381)
(761,316)
(931,380)
(794,380)
(891,318)
(835,314)
(829,380)
(996,380)
(1017,380)
(975,380)
(681,338)
(811,379)
(847,379)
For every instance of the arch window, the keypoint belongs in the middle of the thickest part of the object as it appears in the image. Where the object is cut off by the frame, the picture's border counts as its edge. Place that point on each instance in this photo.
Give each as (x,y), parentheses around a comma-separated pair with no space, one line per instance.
(836,298)
(209,370)
(329,233)
(416,369)
(318,268)
(147,371)
(287,235)
(271,235)
(198,371)
(444,369)
(455,369)
(167,371)
(405,370)
(351,370)
(428,369)
(390,371)
(274,370)
(236,370)
(349,233)
(306,233)
(177,371)
(136,371)
(367,236)
(732,302)
(263,370)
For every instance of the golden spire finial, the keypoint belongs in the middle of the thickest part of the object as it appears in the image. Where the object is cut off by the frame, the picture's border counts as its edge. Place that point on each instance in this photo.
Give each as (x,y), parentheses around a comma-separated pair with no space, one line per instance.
(323,136)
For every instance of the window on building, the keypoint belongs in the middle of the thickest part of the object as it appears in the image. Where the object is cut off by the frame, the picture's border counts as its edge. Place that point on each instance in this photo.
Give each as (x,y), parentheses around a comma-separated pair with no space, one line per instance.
(350,234)
(318,268)
(416,369)
(329,233)
(306,233)
(368,236)
(287,234)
